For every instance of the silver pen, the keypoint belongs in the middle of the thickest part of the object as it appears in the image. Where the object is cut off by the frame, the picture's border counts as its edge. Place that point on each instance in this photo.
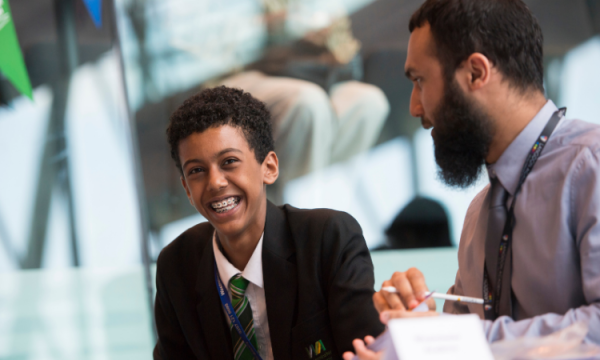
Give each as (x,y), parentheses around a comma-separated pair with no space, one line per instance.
(435,295)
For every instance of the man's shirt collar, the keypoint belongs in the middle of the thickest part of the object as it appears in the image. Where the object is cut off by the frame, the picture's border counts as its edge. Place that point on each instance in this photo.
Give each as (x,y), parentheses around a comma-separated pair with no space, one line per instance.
(509,165)
(252,272)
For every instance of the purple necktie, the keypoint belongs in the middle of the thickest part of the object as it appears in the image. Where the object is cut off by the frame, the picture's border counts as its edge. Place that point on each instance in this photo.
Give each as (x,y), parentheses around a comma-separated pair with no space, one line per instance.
(497,215)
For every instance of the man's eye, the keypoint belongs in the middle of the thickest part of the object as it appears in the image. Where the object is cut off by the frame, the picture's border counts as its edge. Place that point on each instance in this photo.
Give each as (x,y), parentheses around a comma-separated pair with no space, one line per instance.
(229,161)
(418,82)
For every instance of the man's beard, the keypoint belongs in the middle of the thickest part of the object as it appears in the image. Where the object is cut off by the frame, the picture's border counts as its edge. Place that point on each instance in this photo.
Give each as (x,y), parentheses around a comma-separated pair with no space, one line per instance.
(462,137)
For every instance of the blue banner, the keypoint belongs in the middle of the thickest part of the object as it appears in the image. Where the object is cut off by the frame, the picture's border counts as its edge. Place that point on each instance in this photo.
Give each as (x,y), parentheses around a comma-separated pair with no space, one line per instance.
(95,9)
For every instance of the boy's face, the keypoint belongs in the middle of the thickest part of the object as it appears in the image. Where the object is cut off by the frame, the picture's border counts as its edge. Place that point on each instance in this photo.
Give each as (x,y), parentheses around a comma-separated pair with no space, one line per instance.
(224,181)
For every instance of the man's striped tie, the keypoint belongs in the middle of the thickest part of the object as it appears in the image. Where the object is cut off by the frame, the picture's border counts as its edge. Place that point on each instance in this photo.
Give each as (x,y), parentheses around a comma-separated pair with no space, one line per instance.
(237,288)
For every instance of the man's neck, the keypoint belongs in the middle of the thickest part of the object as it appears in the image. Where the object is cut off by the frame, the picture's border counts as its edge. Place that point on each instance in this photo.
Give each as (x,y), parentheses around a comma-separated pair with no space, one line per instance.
(511,118)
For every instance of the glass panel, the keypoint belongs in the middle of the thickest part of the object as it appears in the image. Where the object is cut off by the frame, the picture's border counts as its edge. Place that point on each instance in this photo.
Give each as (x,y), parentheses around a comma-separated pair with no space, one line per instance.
(80,177)
(72,284)
(172,50)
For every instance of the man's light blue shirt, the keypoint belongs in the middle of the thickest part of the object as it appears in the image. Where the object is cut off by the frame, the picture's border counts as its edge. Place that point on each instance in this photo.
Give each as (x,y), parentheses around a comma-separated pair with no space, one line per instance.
(556,239)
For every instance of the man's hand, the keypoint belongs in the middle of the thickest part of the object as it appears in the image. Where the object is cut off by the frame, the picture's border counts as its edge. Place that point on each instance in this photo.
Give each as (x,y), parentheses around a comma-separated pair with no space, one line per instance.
(411,292)
(361,350)
(411,289)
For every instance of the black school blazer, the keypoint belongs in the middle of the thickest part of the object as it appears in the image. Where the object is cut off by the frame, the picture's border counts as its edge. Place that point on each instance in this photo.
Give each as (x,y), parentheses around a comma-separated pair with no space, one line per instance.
(318,281)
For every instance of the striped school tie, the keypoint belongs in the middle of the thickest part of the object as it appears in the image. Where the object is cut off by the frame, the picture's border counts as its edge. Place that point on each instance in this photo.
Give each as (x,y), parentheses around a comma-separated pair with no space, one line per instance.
(237,288)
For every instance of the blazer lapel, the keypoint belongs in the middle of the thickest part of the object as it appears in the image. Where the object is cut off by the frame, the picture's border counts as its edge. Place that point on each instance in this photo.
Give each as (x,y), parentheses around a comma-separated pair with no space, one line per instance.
(279,275)
(210,311)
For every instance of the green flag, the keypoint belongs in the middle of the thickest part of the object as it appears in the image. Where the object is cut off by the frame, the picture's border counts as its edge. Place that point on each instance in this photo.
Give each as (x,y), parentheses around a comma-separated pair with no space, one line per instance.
(11,60)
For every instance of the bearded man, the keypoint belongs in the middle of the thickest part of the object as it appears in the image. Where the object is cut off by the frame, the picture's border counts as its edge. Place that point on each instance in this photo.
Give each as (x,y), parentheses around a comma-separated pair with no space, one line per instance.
(530,244)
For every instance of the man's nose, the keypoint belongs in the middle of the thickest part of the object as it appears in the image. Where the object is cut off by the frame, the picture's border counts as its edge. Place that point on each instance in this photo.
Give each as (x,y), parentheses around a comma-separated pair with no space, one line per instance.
(416,109)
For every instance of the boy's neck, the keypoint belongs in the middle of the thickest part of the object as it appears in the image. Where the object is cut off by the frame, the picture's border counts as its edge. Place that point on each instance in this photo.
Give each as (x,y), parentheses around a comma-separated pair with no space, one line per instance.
(238,249)
(238,252)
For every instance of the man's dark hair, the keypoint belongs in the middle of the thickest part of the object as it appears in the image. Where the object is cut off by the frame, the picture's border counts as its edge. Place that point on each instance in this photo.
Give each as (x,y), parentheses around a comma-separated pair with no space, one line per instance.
(505,31)
(222,106)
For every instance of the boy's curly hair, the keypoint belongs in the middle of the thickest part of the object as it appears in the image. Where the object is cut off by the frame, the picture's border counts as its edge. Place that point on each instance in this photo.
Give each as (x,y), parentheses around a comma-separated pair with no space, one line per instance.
(222,106)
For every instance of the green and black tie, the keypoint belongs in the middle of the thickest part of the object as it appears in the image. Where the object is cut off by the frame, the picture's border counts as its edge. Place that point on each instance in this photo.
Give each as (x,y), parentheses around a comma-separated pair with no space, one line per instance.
(237,288)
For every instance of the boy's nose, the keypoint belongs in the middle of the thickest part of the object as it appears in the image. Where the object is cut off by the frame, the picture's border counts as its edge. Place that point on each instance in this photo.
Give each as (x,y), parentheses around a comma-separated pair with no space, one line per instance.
(217,181)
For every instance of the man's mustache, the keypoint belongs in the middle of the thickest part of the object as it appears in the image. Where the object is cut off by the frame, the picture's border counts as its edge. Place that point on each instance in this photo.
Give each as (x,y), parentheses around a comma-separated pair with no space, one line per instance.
(426,123)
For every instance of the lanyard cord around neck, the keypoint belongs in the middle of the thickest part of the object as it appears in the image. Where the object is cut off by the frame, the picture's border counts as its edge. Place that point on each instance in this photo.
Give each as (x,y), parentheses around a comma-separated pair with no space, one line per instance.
(226,301)
(491,300)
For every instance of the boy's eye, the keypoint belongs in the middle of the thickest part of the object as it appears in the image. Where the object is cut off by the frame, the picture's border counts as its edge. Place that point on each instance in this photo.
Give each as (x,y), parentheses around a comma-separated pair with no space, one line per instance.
(229,161)
(195,170)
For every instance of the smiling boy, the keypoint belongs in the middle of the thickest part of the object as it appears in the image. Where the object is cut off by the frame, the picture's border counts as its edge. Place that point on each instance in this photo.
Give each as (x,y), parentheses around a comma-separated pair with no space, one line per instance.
(295,284)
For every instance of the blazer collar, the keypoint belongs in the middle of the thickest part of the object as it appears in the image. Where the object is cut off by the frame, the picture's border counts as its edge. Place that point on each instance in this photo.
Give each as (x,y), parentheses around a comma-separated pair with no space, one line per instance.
(277,235)
(209,308)
(279,274)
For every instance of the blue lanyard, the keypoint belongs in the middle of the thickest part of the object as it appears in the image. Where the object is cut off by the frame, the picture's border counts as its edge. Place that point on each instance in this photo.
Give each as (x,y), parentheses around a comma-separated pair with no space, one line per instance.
(226,301)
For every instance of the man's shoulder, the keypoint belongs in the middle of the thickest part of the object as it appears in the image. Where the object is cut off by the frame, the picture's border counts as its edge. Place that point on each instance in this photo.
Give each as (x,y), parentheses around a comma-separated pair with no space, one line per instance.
(578,134)
(188,246)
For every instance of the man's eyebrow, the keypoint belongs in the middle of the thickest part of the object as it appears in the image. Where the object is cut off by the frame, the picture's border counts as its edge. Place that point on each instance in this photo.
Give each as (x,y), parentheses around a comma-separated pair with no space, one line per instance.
(409,73)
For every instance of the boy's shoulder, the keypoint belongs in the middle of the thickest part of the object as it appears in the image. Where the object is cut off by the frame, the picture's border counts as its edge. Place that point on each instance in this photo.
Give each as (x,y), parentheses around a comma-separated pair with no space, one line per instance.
(319,220)
(319,216)
(190,245)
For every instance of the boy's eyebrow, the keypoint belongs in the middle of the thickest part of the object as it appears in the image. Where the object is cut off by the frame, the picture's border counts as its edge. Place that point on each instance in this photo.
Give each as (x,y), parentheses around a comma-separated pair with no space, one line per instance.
(224,151)
(409,72)
(219,154)
(189,162)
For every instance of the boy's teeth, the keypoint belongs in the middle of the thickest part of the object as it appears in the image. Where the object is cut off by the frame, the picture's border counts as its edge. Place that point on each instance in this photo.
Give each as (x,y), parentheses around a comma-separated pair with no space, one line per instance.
(225,205)
(227,208)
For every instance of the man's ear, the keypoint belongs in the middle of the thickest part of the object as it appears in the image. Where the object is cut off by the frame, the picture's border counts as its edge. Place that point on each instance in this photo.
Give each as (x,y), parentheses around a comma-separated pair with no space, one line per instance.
(187,190)
(270,168)
(475,72)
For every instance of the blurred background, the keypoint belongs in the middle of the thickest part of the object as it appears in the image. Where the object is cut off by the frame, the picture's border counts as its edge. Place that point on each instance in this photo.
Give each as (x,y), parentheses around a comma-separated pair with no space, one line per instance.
(89,194)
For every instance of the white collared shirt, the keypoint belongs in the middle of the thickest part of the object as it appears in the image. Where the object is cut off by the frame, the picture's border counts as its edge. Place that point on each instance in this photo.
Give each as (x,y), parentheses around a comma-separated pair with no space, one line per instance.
(255,293)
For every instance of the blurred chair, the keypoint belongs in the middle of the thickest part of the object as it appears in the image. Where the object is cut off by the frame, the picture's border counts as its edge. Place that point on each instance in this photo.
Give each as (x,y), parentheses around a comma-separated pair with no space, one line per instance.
(423,223)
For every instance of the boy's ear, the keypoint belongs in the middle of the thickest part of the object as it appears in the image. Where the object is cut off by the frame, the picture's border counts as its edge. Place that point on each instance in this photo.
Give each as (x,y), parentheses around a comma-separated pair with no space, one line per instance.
(187,191)
(270,167)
